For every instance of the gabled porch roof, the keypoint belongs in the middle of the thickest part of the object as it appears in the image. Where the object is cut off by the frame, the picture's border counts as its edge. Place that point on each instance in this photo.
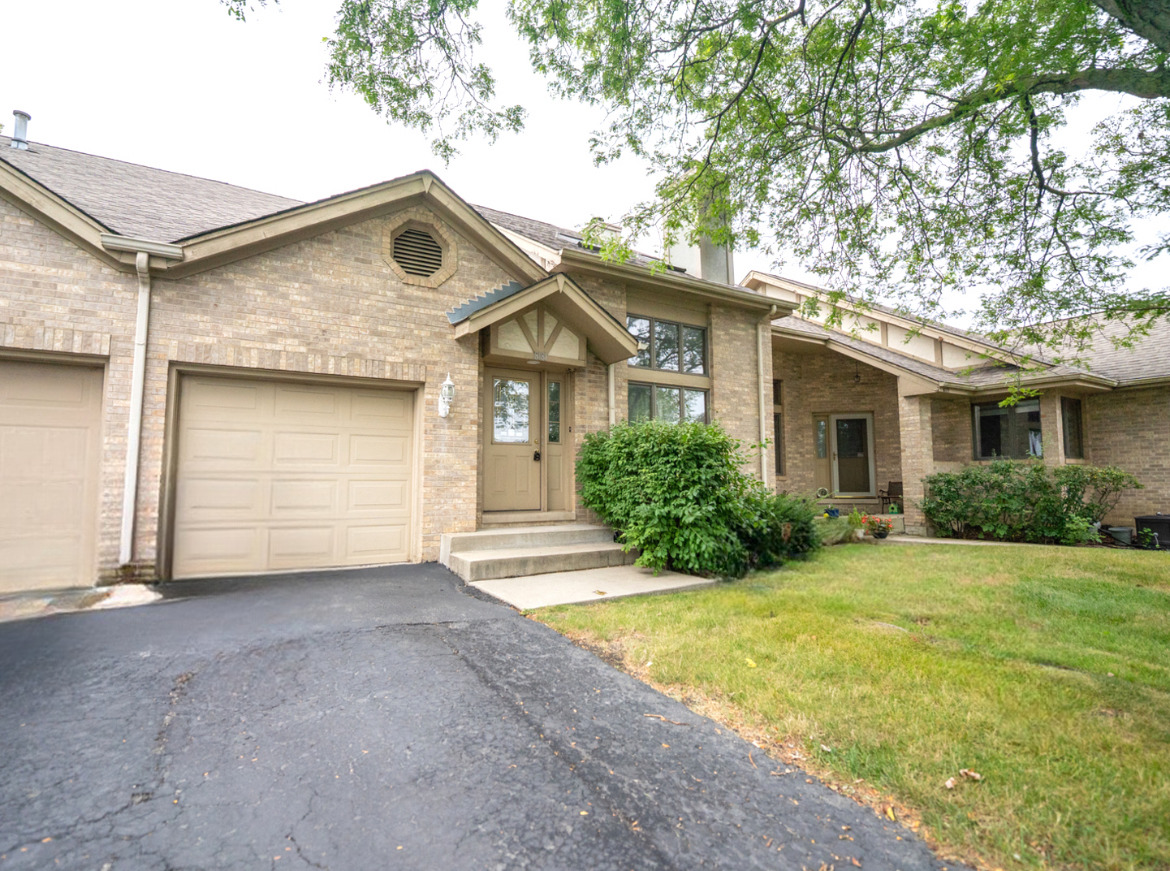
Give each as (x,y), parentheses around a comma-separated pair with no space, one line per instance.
(607,337)
(986,377)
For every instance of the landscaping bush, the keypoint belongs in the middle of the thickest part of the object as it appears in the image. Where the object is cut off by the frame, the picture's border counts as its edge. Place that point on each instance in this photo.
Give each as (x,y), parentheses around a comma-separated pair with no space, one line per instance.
(1011,501)
(677,493)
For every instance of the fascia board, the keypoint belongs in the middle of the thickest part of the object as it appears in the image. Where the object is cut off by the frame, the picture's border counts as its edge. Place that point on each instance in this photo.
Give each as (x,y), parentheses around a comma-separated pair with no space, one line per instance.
(29,195)
(618,344)
(984,349)
(301,222)
(587,262)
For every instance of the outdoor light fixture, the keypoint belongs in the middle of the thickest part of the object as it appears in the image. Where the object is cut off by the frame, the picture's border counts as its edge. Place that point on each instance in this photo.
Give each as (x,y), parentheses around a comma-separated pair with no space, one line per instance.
(856,372)
(446,394)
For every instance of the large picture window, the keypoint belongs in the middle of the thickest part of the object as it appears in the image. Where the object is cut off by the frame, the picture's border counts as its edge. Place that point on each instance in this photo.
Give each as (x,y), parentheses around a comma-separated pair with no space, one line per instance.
(664,402)
(668,346)
(1012,432)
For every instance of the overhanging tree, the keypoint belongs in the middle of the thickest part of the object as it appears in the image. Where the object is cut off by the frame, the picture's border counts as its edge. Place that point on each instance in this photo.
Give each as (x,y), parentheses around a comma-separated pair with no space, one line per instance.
(898,148)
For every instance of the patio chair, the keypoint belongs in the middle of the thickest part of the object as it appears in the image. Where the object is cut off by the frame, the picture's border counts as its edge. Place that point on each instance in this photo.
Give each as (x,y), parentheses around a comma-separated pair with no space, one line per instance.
(892,493)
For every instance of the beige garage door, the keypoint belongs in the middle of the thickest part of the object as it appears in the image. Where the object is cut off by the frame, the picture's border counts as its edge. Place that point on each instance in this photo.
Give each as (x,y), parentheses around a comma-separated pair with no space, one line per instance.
(275,476)
(50,438)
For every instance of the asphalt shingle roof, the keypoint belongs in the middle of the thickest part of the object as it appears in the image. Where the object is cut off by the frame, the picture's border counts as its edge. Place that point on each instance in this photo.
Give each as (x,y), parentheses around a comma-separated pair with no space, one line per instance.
(140,201)
(549,235)
(1149,358)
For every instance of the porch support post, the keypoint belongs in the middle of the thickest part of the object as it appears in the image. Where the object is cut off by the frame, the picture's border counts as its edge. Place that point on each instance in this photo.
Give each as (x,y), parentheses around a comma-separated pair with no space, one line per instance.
(917,438)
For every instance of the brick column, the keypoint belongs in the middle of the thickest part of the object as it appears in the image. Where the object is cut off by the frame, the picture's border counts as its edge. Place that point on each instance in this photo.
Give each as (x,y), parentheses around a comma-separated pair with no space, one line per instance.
(917,436)
(1051,429)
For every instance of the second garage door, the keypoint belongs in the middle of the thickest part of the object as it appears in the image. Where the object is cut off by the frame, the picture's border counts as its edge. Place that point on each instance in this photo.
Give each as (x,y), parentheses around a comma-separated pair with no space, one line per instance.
(274,476)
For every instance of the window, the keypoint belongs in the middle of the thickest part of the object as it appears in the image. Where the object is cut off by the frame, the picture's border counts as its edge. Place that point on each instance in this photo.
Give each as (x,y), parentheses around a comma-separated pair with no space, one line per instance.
(1074,438)
(1008,432)
(668,346)
(778,423)
(510,412)
(671,404)
(554,412)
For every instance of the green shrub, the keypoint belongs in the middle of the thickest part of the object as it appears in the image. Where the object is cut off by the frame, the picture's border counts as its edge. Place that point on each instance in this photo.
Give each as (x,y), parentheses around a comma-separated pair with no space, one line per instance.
(677,493)
(1012,501)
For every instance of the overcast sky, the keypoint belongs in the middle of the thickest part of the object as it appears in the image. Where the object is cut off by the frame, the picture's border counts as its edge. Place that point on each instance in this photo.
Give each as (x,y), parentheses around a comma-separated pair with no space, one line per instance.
(180,85)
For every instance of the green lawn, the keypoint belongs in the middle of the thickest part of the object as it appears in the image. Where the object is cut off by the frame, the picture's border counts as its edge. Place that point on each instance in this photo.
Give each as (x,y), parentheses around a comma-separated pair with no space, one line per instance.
(1046,670)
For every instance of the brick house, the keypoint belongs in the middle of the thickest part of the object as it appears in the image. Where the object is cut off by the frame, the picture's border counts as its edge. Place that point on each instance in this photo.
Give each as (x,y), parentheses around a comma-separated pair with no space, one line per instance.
(878,398)
(198,379)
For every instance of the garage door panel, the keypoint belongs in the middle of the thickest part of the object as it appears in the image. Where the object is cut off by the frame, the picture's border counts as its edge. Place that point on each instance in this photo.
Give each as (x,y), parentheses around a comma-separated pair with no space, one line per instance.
(220,548)
(222,448)
(44,558)
(219,497)
(388,496)
(302,547)
(310,403)
(316,496)
(379,450)
(363,542)
(44,453)
(218,400)
(388,410)
(300,448)
(298,475)
(50,442)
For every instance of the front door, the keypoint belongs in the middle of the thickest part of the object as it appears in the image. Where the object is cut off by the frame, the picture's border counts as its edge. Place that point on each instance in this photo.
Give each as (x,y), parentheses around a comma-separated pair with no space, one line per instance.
(513,423)
(526,428)
(852,436)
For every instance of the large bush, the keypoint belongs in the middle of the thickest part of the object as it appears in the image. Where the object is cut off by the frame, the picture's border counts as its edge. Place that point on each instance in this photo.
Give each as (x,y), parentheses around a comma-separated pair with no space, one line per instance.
(677,493)
(1011,501)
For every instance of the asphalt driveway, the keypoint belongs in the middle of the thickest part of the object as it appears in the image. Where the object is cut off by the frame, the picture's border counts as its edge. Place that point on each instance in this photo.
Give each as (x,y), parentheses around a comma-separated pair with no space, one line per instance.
(378,719)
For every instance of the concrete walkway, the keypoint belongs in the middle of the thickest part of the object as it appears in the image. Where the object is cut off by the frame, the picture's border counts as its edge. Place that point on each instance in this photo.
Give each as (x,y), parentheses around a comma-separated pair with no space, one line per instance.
(922,539)
(589,585)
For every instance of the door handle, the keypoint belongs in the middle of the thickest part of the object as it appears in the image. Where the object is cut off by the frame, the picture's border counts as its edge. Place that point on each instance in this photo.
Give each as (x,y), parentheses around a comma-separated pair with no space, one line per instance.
(536,456)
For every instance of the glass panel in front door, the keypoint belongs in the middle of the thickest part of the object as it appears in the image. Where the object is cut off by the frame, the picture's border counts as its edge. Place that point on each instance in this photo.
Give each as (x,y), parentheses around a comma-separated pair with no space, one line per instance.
(510,411)
(852,455)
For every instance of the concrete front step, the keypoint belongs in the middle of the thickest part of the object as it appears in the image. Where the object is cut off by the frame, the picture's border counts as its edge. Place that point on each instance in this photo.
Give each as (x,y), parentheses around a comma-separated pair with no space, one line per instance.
(516,562)
(507,537)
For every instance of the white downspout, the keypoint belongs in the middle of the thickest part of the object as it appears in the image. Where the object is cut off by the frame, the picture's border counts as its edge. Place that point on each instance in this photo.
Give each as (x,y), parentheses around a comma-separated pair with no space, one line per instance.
(134,427)
(764,333)
(611,394)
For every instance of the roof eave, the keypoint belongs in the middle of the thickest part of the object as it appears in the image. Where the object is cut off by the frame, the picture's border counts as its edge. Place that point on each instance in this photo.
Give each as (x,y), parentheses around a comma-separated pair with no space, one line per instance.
(947,386)
(26,193)
(606,336)
(589,262)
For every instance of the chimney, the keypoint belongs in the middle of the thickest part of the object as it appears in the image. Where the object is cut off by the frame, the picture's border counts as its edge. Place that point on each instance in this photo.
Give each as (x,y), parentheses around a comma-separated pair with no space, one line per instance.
(20,131)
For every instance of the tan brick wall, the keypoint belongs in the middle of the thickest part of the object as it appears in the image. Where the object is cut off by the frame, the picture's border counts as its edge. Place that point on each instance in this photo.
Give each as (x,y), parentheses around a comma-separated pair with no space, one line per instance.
(1131,429)
(58,299)
(327,306)
(331,305)
(952,434)
(818,381)
(735,367)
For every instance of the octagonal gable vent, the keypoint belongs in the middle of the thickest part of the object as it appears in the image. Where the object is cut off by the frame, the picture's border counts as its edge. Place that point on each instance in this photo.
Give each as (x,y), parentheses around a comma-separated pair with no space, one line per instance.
(417,252)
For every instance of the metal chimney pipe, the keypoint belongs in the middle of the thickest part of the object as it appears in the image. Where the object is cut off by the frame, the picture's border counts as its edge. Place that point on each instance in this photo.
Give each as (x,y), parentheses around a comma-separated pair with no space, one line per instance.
(20,132)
